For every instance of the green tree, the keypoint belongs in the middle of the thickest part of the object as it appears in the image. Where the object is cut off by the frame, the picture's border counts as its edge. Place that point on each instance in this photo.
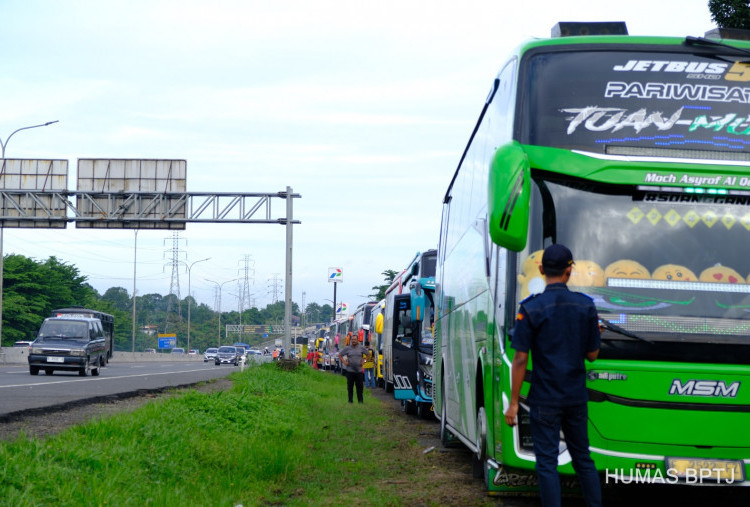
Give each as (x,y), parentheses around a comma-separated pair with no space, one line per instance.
(730,13)
(317,314)
(32,289)
(119,297)
(326,313)
(389,275)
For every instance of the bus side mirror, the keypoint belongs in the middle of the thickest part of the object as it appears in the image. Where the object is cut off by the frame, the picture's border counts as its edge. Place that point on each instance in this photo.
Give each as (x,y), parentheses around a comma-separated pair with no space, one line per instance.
(509,187)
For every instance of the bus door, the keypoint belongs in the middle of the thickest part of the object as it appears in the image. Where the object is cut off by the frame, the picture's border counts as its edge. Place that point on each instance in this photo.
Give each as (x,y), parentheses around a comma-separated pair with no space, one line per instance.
(404,350)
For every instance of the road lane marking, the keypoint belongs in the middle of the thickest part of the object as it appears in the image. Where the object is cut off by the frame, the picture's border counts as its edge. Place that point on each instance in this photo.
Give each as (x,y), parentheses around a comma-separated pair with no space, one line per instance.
(102,378)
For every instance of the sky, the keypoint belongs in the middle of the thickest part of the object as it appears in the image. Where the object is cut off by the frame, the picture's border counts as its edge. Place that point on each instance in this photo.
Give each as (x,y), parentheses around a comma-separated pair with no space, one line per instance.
(363,108)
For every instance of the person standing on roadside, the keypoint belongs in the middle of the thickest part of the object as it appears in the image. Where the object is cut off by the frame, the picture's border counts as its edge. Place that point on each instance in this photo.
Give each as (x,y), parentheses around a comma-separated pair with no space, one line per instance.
(352,357)
(561,329)
(369,366)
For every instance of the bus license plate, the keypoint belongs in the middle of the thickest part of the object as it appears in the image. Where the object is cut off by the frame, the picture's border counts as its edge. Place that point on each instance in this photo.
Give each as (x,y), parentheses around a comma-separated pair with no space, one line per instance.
(55,359)
(697,469)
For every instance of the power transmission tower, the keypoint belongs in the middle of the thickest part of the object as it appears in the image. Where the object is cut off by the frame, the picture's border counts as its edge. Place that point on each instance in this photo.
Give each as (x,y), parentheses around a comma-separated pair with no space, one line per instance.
(217,299)
(174,282)
(247,275)
(274,287)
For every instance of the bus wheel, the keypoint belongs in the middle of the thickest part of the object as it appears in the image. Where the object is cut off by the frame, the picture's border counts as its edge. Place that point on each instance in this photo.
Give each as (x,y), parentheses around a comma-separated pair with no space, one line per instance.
(95,371)
(479,462)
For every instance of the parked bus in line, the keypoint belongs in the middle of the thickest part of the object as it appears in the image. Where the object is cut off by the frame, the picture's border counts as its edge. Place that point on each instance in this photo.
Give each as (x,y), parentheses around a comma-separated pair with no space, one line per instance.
(407,334)
(633,152)
(361,321)
(376,340)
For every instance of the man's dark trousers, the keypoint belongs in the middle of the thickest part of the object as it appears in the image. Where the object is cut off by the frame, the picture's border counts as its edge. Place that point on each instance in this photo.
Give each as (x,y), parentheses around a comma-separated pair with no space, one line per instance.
(546,423)
(355,378)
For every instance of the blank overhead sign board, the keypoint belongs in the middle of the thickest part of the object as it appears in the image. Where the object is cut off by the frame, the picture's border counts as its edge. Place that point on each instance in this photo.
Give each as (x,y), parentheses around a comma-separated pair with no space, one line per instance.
(152,190)
(33,189)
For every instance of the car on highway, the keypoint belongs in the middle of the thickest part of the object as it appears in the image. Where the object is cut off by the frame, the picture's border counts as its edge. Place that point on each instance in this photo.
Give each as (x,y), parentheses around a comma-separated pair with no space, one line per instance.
(227,355)
(22,343)
(72,344)
(193,352)
(178,350)
(149,351)
(255,352)
(210,354)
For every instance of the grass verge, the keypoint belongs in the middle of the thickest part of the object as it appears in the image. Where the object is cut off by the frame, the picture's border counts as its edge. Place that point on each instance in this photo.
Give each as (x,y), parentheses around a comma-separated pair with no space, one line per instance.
(276,437)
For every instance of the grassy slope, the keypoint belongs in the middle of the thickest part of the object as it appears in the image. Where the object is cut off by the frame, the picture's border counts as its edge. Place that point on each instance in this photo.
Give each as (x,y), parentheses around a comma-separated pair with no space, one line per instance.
(275,437)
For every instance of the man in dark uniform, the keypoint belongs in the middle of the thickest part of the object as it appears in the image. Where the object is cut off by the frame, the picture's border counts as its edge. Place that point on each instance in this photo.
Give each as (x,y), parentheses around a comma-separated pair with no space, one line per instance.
(560,328)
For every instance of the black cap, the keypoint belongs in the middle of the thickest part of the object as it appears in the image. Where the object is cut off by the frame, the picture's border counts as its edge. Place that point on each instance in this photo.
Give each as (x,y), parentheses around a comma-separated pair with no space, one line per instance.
(557,257)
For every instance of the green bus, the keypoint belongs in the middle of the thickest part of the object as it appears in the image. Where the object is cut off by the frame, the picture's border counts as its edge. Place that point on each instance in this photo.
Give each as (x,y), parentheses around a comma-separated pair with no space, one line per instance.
(633,152)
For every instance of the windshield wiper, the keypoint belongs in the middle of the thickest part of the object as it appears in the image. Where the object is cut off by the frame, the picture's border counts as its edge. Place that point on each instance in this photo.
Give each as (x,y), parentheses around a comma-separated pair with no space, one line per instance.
(617,329)
(702,41)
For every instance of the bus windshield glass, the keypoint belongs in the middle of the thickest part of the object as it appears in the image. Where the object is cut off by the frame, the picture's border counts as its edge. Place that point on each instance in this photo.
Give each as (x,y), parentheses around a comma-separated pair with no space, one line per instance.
(666,266)
(689,103)
(429,263)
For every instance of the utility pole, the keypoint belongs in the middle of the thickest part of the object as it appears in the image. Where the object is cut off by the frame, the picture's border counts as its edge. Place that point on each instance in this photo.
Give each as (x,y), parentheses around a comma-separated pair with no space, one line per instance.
(135,258)
(189,298)
(2,267)
(288,287)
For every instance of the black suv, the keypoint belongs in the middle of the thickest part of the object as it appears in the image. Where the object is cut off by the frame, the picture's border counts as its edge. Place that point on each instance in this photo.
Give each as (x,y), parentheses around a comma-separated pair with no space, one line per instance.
(72,344)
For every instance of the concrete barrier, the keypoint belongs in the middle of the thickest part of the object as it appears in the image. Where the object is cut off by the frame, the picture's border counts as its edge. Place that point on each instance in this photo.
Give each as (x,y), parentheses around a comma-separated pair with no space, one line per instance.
(19,355)
(14,355)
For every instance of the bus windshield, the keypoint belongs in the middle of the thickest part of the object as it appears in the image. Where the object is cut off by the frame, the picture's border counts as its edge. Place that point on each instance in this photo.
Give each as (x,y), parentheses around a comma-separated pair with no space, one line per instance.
(643,101)
(670,267)
(429,264)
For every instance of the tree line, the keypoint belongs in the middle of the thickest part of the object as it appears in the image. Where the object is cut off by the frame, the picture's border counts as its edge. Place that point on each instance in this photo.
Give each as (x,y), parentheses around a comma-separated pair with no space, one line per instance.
(32,289)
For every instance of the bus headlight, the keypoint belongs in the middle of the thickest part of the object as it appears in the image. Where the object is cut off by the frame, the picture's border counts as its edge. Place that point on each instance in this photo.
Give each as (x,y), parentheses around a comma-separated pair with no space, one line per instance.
(426,371)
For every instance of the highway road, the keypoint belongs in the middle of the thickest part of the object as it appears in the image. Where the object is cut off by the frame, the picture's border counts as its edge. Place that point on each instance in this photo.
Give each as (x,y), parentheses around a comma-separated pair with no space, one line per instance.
(20,391)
